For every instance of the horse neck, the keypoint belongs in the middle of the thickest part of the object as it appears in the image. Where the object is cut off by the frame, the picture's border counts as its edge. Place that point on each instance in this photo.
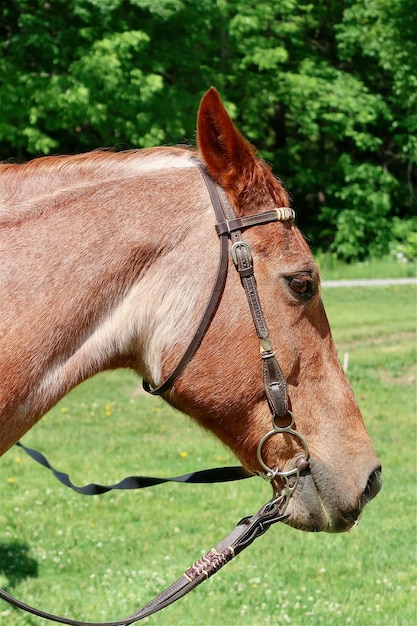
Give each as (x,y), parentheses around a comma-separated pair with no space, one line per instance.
(101,280)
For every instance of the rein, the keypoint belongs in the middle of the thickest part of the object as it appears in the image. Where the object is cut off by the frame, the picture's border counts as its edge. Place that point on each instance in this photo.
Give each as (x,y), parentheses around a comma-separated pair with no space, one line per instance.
(249,528)
(245,532)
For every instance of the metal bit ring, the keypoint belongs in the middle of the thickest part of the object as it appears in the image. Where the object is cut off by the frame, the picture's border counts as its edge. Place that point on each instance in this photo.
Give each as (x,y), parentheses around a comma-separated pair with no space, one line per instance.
(271,473)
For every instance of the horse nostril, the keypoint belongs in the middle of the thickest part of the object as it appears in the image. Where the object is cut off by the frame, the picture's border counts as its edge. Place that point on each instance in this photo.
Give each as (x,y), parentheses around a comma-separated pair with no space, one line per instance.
(373,486)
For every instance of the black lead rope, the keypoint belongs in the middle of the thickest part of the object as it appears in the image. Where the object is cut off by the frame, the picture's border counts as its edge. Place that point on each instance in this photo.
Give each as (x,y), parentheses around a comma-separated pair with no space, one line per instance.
(214,475)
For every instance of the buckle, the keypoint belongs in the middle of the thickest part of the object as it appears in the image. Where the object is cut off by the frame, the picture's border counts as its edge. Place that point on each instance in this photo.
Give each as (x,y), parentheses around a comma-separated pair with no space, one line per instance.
(235,248)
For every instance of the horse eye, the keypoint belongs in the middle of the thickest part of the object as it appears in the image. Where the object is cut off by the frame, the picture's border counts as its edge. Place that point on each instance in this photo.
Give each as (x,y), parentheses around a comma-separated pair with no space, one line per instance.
(302,285)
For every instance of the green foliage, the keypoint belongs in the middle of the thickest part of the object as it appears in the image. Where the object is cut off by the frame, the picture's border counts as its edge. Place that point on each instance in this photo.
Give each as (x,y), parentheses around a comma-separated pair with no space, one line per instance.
(81,74)
(333,116)
(363,229)
(404,243)
(326,91)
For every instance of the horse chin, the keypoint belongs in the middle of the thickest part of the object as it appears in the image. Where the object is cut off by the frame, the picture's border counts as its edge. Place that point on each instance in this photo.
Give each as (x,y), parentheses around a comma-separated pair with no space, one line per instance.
(308,510)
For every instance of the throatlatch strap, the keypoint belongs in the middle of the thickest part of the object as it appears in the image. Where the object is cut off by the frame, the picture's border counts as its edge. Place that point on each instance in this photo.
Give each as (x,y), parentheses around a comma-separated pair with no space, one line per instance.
(213,303)
(214,475)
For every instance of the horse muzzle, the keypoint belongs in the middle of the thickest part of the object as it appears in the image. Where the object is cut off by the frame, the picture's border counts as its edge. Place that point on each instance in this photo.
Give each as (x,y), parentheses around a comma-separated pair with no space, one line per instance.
(323,501)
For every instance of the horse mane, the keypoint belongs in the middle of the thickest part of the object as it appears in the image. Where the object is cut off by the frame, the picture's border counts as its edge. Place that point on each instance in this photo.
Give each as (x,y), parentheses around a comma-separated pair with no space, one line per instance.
(30,189)
(24,184)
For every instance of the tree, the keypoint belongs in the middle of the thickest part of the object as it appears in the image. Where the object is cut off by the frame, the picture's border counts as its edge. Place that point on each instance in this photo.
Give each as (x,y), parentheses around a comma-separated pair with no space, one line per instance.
(342,136)
(325,90)
(78,74)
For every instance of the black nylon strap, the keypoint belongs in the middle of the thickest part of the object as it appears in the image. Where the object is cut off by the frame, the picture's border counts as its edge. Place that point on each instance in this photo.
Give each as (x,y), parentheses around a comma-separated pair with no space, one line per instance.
(214,475)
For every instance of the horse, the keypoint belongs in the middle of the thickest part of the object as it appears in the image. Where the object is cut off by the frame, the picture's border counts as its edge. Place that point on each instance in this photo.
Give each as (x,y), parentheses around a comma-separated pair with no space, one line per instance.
(107,262)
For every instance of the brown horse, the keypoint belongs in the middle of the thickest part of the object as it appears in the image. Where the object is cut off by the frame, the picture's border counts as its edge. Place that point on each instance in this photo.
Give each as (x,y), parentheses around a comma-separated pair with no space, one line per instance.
(107,260)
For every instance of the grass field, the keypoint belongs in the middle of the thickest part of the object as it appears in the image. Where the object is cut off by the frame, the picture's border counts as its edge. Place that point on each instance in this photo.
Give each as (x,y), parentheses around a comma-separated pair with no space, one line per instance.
(386,267)
(100,558)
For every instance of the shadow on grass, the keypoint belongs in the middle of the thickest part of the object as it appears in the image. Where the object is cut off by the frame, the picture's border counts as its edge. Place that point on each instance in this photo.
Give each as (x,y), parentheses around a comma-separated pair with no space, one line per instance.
(15,564)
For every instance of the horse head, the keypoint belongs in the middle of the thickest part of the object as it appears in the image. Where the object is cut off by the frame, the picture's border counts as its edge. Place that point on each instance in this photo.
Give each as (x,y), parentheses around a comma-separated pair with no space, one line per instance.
(222,387)
(108,260)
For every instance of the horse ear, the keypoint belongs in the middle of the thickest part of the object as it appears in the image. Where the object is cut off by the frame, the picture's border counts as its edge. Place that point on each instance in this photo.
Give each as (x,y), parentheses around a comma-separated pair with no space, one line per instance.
(228,156)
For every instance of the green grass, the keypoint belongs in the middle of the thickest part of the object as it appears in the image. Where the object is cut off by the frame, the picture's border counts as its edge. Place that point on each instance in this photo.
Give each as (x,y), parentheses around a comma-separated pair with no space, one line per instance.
(100,558)
(387,267)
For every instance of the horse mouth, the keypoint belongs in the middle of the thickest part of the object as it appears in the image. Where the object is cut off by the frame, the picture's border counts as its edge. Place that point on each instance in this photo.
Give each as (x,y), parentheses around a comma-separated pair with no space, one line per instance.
(324,505)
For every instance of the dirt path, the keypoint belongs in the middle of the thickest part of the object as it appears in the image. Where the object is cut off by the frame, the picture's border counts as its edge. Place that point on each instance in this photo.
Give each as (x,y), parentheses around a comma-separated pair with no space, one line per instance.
(369,282)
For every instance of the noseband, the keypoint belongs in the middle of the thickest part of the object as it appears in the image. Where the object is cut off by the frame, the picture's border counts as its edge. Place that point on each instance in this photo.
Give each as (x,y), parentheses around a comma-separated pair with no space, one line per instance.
(275,385)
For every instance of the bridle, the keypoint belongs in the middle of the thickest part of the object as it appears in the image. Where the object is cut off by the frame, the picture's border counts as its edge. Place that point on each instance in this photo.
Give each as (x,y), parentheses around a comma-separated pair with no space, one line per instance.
(275,385)
(249,528)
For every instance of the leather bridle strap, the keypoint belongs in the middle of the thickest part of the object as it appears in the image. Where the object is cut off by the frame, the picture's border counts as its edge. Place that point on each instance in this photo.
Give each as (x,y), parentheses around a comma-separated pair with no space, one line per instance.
(274,381)
(213,302)
(229,226)
(245,532)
